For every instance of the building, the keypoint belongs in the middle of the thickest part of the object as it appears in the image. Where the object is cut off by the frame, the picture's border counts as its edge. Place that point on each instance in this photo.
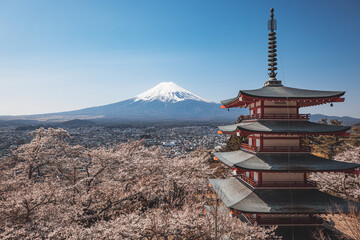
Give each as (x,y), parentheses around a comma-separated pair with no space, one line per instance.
(271,185)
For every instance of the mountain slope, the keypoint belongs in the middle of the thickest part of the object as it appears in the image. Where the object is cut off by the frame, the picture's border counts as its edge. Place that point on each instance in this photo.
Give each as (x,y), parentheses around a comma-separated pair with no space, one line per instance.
(166,101)
(156,110)
(347,121)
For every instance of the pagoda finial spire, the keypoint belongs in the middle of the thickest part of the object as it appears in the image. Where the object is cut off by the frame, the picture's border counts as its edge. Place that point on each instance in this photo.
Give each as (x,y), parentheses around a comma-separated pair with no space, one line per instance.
(272,52)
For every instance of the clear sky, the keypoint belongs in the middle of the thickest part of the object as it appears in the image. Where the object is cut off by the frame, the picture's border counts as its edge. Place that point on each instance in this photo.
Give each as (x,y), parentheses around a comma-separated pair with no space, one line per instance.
(66,55)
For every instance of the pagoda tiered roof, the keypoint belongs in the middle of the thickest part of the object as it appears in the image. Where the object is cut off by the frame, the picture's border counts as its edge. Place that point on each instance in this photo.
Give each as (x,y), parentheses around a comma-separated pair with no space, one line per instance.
(271,184)
(295,162)
(303,96)
(236,195)
(285,127)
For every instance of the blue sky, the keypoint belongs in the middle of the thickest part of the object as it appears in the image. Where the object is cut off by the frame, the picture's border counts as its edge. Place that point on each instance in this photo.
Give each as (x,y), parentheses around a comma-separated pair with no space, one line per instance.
(66,55)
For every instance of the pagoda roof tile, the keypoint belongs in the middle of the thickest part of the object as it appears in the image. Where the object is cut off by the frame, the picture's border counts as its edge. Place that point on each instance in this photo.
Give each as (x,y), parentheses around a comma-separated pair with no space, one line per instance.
(265,126)
(238,196)
(285,92)
(302,162)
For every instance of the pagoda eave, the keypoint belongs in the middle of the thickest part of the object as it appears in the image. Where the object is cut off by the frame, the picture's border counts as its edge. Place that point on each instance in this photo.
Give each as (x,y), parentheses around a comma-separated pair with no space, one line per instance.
(238,196)
(247,133)
(240,169)
(348,171)
(283,128)
(244,99)
(282,162)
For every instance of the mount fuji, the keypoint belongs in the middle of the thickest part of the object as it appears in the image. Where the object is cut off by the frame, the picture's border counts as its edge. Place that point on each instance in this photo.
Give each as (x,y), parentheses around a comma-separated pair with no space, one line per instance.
(164,102)
(167,92)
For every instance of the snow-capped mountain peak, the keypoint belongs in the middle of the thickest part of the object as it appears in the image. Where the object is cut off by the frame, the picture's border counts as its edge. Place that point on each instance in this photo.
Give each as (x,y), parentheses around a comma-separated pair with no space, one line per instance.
(167,92)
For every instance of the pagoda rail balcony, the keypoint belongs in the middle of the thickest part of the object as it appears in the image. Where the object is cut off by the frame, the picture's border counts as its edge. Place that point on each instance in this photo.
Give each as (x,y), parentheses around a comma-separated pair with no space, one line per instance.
(249,148)
(287,184)
(277,184)
(276,116)
(285,149)
(282,220)
(255,149)
(290,221)
(246,179)
(249,217)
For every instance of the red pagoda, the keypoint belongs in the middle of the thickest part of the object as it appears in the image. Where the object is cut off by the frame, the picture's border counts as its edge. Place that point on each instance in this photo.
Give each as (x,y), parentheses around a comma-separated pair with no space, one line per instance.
(271,185)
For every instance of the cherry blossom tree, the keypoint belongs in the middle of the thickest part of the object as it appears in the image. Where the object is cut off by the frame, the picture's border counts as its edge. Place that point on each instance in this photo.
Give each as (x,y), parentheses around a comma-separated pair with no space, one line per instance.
(52,189)
(346,186)
(341,184)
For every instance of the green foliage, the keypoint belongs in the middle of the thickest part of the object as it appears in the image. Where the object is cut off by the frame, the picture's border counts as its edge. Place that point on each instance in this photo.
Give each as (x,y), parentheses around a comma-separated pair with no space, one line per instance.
(329,146)
(354,139)
(233,143)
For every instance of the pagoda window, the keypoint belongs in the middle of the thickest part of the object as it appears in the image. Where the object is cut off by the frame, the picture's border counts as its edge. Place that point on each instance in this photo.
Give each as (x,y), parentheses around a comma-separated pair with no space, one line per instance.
(256,177)
(250,141)
(247,174)
(258,142)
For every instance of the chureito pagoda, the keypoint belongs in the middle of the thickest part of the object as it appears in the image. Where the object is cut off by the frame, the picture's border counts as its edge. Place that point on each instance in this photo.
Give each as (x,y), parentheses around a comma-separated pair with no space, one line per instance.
(270,184)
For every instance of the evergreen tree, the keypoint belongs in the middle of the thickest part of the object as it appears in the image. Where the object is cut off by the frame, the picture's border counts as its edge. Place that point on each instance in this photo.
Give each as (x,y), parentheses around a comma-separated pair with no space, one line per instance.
(325,145)
(233,143)
(354,139)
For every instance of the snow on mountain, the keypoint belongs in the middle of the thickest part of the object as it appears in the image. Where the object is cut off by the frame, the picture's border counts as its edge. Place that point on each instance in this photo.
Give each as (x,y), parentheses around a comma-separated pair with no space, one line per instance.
(168,92)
